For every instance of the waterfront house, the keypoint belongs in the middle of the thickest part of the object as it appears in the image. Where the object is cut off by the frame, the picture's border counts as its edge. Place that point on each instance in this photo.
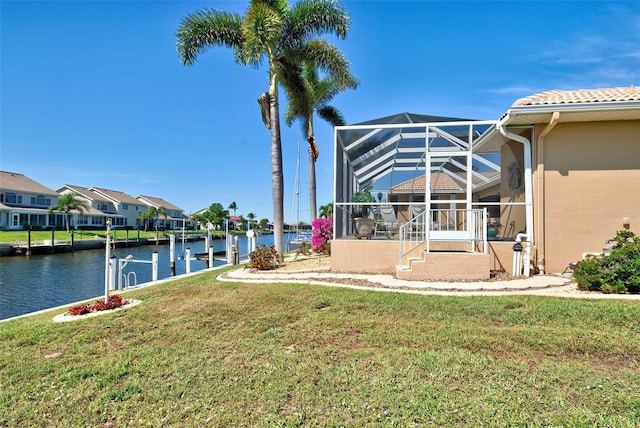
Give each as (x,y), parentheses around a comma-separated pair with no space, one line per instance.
(122,209)
(559,172)
(24,202)
(175,217)
(100,208)
(127,207)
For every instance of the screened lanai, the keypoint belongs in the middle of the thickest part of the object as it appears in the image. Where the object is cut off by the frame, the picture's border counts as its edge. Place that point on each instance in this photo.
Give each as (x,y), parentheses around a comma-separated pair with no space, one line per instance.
(416,163)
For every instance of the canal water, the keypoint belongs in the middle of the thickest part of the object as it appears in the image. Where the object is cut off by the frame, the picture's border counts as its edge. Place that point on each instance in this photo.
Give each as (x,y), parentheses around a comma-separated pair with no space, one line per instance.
(29,284)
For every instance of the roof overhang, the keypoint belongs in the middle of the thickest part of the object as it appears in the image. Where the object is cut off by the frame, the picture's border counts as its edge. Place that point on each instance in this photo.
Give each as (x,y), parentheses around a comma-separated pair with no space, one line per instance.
(587,112)
(531,115)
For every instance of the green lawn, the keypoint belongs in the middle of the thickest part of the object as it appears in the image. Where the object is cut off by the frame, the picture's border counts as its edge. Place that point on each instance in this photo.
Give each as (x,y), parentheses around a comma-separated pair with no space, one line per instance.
(198,352)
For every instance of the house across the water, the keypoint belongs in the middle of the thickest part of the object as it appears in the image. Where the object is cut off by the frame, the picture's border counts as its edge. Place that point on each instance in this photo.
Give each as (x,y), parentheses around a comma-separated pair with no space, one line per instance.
(555,177)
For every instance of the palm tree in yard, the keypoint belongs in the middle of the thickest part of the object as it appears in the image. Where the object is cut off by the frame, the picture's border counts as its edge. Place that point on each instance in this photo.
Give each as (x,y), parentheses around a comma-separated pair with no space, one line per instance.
(155,214)
(312,94)
(233,206)
(68,202)
(251,217)
(281,35)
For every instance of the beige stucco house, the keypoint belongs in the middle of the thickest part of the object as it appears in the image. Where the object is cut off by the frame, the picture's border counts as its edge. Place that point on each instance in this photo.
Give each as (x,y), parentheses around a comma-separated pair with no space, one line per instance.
(559,173)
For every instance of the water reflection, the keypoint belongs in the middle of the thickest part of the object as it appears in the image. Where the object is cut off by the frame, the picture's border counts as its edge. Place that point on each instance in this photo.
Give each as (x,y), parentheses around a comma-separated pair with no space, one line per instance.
(29,284)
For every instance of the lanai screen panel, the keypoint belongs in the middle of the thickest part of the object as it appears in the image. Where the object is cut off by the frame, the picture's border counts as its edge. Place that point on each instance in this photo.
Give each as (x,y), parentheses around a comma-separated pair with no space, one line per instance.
(384,156)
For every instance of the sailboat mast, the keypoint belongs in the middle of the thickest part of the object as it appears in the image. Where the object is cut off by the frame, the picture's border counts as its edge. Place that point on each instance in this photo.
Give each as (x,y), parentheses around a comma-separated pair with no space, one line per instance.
(298,192)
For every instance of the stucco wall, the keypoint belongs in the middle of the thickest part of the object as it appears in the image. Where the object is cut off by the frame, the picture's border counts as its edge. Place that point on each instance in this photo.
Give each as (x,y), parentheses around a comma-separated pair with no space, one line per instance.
(381,256)
(364,256)
(512,218)
(592,182)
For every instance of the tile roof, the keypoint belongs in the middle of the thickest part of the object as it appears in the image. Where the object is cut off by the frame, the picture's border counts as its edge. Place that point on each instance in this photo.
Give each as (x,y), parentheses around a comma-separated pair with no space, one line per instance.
(439,181)
(581,96)
(15,181)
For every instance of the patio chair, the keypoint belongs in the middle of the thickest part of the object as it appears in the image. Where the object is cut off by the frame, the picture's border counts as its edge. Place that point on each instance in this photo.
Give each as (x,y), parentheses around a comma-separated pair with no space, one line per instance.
(388,219)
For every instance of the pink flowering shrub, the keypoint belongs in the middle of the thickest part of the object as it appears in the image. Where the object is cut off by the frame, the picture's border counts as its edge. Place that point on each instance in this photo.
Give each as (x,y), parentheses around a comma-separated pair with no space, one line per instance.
(322,234)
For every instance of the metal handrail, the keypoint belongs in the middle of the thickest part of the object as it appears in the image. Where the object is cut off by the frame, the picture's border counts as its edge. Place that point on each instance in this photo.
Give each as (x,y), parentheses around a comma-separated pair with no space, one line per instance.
(412,234)
(418,230)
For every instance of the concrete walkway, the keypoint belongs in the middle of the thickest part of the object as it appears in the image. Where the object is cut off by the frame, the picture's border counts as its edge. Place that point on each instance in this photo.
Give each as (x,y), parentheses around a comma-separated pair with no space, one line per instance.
(540,285)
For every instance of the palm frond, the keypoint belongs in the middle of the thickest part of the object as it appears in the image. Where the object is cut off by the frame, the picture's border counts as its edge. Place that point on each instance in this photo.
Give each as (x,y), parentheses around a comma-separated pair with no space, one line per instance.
(332,115)
(325,90)
(261,29)
(280,6)
(312,18)
(328,58)
(207,28)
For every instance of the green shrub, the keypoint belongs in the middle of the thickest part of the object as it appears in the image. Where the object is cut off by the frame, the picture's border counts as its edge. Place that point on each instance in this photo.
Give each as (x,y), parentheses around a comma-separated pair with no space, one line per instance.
(36,228)
(617,272)
(264,258)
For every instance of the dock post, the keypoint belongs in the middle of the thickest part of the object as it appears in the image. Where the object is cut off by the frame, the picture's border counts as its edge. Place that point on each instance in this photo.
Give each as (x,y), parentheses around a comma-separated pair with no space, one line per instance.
(53,241)
(72,236)
(29,242)
(187,258)
(211,256)
(126,243)
(112,274)
(172,257)
(107,257)
(154,266)
(236,252)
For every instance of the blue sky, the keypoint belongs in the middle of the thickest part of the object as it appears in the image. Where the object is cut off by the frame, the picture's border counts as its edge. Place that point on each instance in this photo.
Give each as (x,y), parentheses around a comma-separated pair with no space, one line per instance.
(93,93)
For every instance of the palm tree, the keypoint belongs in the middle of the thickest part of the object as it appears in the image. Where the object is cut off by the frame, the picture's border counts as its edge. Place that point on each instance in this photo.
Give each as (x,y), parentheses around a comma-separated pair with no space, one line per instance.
(251,217)
(270,30)
(67,203)
(313,96)
(155,214)
(233,206)
(144,217)
(326,211)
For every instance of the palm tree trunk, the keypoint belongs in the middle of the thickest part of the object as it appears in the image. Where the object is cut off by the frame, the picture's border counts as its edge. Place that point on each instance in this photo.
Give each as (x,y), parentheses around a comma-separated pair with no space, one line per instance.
(312,185)
(312,171)
(277,180)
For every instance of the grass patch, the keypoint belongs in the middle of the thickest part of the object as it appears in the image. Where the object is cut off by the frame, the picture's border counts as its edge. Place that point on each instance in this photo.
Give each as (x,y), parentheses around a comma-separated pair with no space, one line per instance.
(199,352)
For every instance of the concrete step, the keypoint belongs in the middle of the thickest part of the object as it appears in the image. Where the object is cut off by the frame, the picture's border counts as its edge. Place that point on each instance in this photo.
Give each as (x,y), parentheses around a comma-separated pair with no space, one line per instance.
(447,266)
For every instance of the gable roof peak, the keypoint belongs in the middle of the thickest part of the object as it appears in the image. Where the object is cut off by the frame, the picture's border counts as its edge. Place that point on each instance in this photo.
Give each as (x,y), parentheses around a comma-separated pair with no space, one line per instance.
(406,117)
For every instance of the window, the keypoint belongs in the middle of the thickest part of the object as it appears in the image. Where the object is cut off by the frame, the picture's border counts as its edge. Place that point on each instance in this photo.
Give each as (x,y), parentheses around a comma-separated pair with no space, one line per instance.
(102,206)
(97,221)
(83,220)
(119,221)
(125,206)
(40,201)
(10,198)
